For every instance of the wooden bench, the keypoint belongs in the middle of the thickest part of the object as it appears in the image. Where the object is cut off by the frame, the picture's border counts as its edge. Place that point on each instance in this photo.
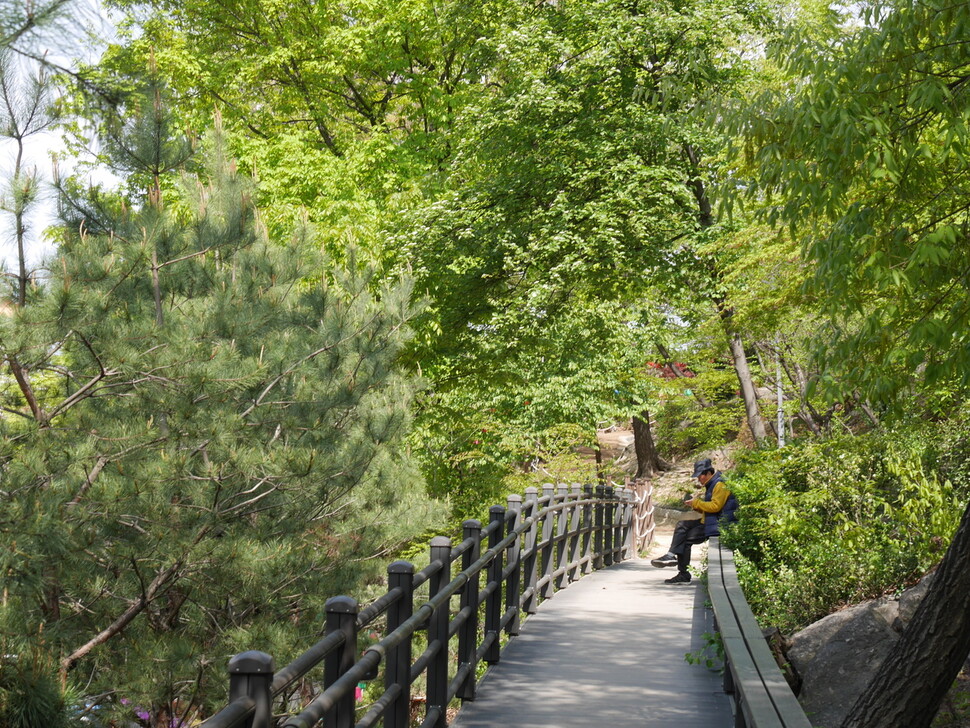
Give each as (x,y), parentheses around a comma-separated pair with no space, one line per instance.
(762,697)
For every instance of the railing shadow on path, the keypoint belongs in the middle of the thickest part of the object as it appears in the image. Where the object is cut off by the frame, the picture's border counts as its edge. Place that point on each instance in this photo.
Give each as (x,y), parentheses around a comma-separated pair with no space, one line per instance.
(610,652)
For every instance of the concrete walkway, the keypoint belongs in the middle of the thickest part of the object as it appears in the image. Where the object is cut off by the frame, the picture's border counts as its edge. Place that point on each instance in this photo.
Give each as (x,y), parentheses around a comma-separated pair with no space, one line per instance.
(608,652)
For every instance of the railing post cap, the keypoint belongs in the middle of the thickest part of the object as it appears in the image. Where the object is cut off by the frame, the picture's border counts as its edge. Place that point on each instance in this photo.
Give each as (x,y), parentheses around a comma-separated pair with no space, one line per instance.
(440,542)
(496,509)
(341,605)
(548,486)
(471,523)
(400,567)
(515,498)
(252,662)
(531,490)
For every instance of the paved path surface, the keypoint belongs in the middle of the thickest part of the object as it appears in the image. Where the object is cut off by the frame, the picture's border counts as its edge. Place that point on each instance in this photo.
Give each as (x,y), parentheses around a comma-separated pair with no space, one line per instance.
(607,652)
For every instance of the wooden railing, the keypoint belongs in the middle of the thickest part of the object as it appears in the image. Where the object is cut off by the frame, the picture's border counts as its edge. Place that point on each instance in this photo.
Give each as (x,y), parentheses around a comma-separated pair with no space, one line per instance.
(644,520)
(528,550)
(761,694)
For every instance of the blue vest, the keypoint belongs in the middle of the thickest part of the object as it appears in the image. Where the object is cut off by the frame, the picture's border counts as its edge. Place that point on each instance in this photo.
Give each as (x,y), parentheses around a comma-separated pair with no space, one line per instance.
(727,512)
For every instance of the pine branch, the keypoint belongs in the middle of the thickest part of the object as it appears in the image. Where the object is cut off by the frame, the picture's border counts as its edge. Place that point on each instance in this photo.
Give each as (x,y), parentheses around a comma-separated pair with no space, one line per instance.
(123,620)
(27,391)
(83,392)
(104,460)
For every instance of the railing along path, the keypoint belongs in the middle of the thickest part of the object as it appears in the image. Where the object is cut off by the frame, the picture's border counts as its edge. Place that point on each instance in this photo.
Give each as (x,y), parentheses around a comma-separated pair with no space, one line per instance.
(527,552)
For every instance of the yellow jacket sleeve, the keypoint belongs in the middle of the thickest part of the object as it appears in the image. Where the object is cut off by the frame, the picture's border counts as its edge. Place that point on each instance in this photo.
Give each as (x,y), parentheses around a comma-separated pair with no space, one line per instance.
(718,499)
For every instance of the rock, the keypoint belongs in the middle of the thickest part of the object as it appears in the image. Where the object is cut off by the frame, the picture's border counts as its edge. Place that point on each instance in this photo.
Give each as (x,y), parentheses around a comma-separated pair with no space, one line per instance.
(837,656)
(909,600)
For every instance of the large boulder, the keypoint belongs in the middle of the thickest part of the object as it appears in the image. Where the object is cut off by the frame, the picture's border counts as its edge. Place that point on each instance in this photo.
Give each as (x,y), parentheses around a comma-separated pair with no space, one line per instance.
(836,657)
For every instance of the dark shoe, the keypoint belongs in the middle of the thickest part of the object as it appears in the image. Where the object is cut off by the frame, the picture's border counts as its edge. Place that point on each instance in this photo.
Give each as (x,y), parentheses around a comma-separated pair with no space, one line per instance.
(668,559)
(682,578)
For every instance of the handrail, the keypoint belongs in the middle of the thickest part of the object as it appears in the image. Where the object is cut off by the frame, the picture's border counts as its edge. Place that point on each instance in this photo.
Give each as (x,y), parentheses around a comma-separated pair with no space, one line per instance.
(529,550)
(762,696)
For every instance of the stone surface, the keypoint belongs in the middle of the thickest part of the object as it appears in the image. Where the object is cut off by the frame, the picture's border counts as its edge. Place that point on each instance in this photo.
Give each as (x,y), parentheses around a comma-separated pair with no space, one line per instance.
(836,657)
(909,600)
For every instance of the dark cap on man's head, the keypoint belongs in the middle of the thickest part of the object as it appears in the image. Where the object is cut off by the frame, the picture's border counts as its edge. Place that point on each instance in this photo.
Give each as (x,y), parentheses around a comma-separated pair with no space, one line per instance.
(702,466)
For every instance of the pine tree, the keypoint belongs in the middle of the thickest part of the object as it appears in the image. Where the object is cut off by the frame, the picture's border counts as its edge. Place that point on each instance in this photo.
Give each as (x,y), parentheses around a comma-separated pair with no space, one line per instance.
(209,433)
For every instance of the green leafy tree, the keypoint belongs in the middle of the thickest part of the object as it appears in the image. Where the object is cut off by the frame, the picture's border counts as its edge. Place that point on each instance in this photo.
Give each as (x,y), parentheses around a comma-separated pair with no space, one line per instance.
(206,433)
(866,160)
(346,113)
(529,162)
(579,181)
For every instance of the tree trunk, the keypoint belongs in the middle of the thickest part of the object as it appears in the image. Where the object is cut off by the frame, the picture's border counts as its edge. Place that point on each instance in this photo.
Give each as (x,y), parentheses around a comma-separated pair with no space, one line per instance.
(912,681)
(648,459)
(755,422)
(600,474)
(705,218)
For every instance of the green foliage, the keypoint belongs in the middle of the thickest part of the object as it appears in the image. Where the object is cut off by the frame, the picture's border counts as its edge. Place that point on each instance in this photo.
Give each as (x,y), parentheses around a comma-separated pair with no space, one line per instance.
(711,655)
(30,692)
(832,522)
(863,157)
(223,448)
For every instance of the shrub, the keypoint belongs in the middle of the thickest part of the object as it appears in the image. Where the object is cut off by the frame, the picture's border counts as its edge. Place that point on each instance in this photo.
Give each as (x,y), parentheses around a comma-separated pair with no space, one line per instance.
(827,523)
(30,693)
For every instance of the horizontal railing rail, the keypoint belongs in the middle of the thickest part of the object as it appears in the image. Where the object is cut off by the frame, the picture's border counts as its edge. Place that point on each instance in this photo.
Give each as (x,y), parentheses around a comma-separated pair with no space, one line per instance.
(762,697)
(529,550)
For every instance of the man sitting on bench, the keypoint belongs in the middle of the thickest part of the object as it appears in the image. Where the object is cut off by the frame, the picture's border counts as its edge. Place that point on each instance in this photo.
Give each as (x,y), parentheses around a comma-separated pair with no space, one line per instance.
(716,505)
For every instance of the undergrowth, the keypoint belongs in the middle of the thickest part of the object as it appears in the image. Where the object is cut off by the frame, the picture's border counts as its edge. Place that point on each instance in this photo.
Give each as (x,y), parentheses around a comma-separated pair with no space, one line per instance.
(828,523)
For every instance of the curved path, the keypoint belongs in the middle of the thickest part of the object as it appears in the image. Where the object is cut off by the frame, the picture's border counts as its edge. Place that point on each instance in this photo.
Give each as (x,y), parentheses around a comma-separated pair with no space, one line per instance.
(607,652)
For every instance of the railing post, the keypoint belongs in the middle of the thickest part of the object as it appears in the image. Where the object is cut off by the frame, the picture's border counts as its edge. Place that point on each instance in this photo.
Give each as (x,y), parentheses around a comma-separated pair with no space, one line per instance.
(438,632)
(618,525)
(251,673)
(493,604)
(468,633)
(341,617)
(397,670)
(599,517)
(618,534)
(575,529)
(548,589)
(588,524)
(609,518)
(562,527)
(627,523)
(513,588)
(532,554)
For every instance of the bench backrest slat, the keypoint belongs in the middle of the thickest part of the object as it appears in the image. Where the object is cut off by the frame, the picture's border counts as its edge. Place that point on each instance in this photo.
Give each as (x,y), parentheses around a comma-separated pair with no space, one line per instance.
(761,693)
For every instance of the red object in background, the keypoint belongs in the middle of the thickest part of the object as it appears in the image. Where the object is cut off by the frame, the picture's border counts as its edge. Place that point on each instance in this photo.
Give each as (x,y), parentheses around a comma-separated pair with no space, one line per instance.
(667,370)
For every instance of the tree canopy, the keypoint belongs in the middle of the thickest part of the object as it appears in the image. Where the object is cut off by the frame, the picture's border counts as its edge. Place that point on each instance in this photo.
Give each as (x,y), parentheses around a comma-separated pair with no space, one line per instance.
(367,255)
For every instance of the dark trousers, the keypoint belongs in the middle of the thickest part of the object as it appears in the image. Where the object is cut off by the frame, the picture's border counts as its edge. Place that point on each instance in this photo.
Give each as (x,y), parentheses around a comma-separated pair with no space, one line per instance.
(686,533)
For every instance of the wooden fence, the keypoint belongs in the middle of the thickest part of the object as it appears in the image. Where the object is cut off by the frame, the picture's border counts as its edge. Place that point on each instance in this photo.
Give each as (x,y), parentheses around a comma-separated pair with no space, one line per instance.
(497,573)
